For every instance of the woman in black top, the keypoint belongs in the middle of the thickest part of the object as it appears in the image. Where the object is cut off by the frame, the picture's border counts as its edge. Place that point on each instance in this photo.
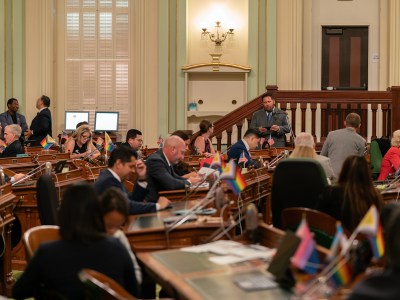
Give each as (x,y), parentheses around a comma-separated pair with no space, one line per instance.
(55,266)
(352,196)
(80,144)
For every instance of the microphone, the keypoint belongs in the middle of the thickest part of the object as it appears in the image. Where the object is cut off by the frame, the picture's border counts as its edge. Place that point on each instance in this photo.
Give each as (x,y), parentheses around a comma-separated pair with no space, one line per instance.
(219,198)
(2,177)
(397,173)
(48,168)
(286,153)
(189,213)
(251,222)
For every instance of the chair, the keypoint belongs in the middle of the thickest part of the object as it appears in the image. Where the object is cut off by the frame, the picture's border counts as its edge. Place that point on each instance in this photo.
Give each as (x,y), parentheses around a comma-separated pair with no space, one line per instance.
(375,159)
(101,287)
(34,236)
(297,182)
(47,202)
(321,224)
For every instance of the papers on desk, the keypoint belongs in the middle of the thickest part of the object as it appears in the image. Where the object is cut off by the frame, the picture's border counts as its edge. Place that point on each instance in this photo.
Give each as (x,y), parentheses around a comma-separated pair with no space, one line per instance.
(205,185)
(230,252)
(206,171)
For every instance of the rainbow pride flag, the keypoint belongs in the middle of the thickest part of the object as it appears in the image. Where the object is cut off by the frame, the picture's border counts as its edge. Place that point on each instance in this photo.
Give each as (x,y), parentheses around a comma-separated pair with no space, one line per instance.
(306,257)
(371,227)
(47,142)
(109,146)
(228,170)
(342,275)
(369,223)
(377,243)
(342,272)
(216,162)
(237,184)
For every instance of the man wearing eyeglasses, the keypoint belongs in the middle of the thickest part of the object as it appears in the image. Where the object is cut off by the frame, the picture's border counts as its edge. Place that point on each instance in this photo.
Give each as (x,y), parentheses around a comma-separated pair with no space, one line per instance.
(134,140)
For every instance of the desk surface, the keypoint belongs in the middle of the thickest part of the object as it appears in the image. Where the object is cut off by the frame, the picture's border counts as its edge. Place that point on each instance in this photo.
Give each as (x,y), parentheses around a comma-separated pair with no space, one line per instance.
(194,276)
(147,232)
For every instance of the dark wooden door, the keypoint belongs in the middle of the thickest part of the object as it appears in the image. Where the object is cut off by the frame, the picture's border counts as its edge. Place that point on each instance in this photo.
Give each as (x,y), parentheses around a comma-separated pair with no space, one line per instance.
(344,58)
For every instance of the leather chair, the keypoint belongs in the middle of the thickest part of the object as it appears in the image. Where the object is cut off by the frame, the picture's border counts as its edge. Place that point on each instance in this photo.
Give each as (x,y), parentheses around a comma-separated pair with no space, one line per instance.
(297,182)
(34,236)
(321,224)
(47,201)
(102,287)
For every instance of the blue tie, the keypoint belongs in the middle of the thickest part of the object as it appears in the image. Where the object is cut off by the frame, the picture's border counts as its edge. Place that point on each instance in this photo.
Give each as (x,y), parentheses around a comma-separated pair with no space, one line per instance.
(269,118)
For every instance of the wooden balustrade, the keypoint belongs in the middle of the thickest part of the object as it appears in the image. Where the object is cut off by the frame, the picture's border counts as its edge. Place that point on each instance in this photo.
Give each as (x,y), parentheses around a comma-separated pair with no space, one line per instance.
(320,112)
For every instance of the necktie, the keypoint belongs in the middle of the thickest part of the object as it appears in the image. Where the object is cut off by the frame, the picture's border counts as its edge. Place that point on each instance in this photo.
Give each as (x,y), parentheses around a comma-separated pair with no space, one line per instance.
(269,115)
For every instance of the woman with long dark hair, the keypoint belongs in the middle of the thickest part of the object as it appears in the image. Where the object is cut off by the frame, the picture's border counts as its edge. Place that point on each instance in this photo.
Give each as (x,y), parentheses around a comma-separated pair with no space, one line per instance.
(55,266)
(352,196)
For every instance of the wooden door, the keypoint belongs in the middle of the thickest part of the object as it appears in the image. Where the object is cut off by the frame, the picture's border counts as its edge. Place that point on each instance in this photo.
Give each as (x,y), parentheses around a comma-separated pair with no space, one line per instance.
(344,58)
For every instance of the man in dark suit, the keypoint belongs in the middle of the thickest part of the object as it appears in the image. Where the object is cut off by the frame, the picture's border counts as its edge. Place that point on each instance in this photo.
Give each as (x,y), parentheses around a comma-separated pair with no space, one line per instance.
(41,125)
(249,142)
(134,140)
(271,123)
(160,172)
(121,164)
(11,116)
(12,134)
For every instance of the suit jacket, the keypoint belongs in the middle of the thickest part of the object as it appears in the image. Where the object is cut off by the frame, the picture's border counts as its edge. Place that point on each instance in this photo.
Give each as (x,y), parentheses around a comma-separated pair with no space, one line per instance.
(378,285)
(341,144)
(106,180)
(41,126)
(12,149)
(279,118)
(6,119)
(161,176)
(236,150)
(326,164)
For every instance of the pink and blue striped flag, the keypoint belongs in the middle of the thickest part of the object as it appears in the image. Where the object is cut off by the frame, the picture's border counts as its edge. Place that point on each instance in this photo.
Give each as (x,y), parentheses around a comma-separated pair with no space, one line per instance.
(306,257)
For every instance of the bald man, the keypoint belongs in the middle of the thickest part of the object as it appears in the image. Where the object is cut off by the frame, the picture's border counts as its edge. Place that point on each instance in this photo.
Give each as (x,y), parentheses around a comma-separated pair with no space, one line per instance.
(160,172)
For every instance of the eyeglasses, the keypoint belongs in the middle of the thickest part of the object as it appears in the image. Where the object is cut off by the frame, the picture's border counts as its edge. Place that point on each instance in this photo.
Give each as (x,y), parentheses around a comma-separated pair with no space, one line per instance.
(86,137)
(140,141)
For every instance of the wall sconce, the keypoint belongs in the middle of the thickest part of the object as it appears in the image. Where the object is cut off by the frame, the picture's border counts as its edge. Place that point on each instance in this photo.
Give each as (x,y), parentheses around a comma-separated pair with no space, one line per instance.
(217,37)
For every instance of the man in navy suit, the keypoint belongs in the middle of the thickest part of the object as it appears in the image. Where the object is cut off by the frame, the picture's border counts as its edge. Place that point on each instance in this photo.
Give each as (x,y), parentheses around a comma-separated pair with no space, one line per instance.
(249,142)
(12,134)
(160,171)
(41,125)
(271,123)
(122,162)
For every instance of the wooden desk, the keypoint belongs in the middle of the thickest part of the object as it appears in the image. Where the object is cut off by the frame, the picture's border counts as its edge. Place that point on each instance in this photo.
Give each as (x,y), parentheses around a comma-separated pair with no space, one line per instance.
(258,191)
(39,150)
(268,153)
(392,194)
(146,232)
(7,217)
(18,164)
(192,276)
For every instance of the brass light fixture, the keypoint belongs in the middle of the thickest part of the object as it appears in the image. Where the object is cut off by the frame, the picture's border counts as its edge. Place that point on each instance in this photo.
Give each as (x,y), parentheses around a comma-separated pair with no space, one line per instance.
(217,37)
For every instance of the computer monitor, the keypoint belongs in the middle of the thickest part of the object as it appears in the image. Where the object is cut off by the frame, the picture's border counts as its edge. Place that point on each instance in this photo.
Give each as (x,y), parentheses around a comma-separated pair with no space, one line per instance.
(106,121)
(74,117)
